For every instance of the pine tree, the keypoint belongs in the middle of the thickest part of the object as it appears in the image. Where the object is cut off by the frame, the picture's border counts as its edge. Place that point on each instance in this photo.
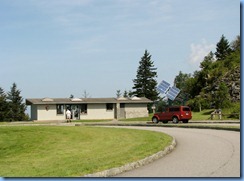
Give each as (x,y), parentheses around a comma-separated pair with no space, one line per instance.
(3,105)
(145,82)
(125,94)
(118,93)
(222,48)
(17,108)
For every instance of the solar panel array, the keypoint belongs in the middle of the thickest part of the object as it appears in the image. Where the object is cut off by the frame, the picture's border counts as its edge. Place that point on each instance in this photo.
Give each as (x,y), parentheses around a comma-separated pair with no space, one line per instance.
(171,92)
(163,87)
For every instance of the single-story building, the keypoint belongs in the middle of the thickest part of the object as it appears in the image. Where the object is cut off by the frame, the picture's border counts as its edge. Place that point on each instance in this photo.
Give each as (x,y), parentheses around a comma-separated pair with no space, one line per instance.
(88,108)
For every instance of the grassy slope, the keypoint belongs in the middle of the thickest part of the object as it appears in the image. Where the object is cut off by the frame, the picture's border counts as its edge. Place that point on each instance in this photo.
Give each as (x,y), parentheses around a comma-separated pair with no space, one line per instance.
(46,151)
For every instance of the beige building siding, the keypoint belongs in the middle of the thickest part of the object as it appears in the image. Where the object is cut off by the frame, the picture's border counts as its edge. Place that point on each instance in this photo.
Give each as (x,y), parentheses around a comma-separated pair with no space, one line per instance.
(96,108)
(94,111)
(48,114)
(135,110)
(97,111)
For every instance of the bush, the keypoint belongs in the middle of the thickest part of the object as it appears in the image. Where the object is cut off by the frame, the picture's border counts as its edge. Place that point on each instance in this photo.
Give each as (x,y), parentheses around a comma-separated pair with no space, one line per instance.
(235,110)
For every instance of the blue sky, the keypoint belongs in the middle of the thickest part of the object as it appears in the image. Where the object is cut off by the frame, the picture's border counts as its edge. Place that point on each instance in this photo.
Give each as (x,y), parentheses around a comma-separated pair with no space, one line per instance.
(54,48)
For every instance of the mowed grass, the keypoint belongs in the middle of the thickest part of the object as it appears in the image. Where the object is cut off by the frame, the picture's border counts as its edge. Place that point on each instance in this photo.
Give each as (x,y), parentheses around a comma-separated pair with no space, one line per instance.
(55,151)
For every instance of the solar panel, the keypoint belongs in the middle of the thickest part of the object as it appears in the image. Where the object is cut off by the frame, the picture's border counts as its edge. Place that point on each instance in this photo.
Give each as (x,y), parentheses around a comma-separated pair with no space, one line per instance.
(163,87)
(172,93)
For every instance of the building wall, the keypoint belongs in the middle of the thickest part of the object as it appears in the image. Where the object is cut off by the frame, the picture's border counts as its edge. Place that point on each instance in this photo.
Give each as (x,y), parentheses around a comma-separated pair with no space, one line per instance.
(98,111)
(94,111)
(136,110)
(50,114)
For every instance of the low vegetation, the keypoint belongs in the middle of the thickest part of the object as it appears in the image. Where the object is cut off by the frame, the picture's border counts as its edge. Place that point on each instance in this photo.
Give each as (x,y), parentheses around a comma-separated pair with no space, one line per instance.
(55,151)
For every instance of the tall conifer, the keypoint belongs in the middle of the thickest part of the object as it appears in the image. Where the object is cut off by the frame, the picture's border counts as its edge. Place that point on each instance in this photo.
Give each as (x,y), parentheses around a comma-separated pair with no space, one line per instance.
(16,111)
(222,48)
(145,82)
(3,105)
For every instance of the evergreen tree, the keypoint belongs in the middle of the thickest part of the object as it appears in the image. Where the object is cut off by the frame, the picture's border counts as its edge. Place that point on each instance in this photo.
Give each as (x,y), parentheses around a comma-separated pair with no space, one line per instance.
(16,111)
(222,48)
(3,106)
(71,96)
(126,94)
(118,93)
(145,82)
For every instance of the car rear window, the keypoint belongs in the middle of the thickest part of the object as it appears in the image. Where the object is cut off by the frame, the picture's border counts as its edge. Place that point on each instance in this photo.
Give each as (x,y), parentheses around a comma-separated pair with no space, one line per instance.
(186,109)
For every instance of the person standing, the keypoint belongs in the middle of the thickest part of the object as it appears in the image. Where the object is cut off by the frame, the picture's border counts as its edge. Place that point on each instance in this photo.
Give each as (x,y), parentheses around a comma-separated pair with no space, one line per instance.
(68,115)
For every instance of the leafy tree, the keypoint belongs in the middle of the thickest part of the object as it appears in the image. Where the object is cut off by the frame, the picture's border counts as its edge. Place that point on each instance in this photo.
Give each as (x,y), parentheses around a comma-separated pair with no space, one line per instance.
(17,108)
(211,85)
(221,96)
(86,94)
(222,48)
(207,62)
(236,44)
(180,80)
(145,82)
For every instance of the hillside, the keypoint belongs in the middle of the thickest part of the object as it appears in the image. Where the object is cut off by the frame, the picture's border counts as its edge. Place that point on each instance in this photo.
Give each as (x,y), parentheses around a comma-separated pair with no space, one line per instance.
(217,84)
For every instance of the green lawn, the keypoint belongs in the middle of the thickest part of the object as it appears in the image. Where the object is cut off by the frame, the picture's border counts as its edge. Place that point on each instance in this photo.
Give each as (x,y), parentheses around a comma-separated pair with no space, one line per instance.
(205,115)
(56,151)
(196,116)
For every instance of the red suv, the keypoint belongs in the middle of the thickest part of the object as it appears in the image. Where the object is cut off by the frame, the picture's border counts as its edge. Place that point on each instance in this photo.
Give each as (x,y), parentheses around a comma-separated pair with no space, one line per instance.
(173,113)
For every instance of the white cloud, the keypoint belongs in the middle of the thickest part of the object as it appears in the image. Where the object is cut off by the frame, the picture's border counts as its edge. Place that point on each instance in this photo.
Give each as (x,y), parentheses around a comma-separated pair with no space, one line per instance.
(199,51)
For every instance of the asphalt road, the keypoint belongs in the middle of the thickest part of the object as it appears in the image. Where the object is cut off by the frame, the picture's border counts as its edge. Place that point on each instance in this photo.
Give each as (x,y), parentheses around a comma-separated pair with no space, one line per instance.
(199,153)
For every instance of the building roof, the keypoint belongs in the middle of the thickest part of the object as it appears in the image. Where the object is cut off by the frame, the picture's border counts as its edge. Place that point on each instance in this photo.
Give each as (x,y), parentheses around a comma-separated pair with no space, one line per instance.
(86,100)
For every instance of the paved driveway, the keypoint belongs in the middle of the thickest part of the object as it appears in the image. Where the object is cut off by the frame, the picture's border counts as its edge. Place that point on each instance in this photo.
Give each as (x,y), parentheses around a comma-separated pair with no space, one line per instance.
(199,153)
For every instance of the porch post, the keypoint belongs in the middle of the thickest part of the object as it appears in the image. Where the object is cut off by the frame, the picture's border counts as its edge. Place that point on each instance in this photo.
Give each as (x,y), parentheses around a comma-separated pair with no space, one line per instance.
(118,110)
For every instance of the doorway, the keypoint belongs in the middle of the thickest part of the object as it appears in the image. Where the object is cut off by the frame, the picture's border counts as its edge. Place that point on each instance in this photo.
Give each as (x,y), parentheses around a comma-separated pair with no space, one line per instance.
(75,111)
(122,110)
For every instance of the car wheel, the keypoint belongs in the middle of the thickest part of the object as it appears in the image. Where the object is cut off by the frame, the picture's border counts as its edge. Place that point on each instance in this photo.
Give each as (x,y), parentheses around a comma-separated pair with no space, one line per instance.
(155,120)
(175,120)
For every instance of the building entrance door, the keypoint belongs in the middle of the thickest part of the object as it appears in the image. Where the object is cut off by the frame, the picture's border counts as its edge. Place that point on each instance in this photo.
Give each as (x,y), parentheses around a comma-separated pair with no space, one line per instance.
(75,110)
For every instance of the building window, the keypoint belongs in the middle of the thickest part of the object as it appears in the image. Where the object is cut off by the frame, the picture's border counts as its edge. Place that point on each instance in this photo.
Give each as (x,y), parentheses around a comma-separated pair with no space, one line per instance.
(83,108)
(60,109)
(122,105)
(109,106)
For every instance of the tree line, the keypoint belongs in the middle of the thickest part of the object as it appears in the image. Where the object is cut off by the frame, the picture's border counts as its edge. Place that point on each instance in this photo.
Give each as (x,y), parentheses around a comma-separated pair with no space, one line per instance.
(211,86)
(12,107)
(201,90)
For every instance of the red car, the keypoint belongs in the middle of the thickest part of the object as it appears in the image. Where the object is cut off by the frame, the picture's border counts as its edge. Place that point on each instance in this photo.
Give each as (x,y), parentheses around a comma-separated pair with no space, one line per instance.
(173,113)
